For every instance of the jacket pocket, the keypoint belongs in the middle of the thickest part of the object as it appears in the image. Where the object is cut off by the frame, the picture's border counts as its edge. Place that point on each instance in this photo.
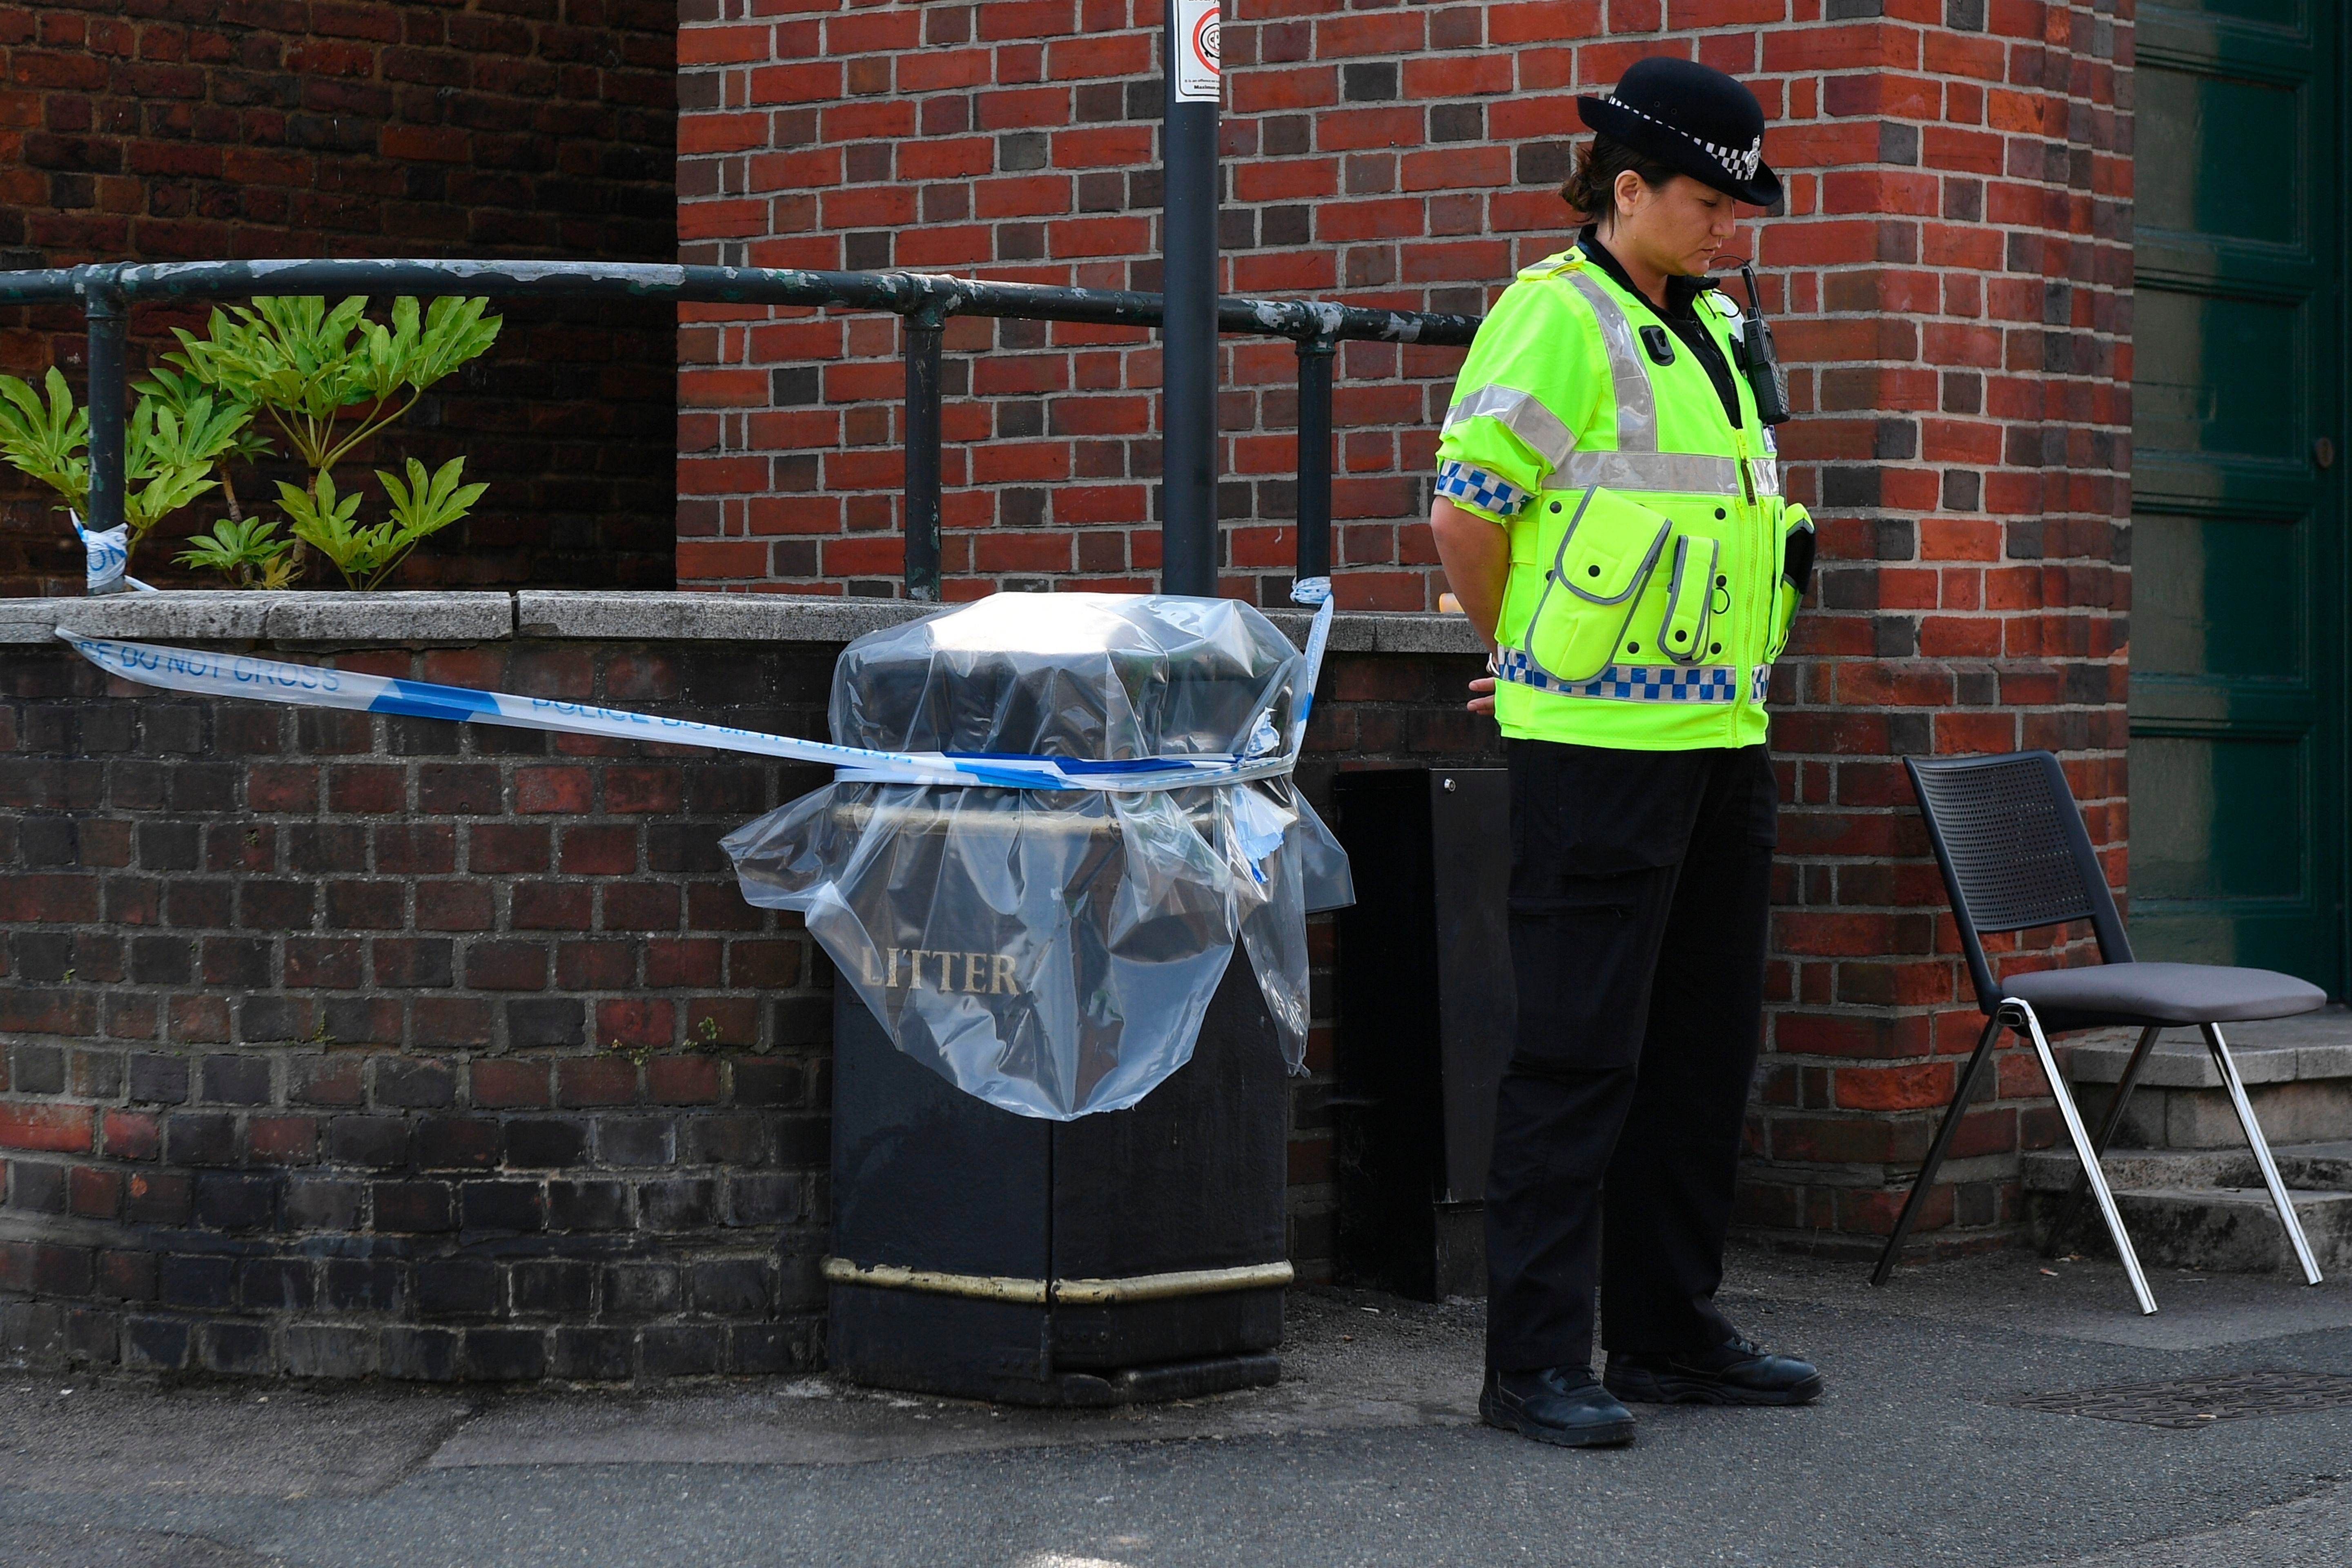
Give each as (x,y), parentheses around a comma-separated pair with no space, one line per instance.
(1789,584)
(1597,575)
(1682,630)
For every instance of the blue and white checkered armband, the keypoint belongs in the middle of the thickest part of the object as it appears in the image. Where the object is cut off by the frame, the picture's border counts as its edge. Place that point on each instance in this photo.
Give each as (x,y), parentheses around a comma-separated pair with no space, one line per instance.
(1460,481)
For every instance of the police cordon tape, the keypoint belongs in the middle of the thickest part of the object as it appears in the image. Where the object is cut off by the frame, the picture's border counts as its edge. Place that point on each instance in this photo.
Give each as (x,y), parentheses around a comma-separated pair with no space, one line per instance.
(256,679)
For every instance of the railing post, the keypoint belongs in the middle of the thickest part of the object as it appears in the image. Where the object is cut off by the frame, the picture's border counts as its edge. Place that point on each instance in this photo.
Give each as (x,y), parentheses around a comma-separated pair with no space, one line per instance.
(1188,332)
(108,314)
(924,328)
(1314,457)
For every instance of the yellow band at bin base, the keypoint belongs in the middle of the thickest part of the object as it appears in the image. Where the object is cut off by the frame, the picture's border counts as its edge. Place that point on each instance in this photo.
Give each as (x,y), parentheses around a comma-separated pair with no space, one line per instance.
(1062,1292)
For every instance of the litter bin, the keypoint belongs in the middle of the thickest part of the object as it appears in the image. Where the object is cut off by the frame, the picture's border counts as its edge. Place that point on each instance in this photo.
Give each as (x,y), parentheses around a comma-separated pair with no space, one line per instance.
(1062,1016)
(1427,1007)
(1159,1227)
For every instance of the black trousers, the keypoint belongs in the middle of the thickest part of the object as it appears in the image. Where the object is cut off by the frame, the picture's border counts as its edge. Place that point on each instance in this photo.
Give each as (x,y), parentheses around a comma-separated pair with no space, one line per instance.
(1640,887)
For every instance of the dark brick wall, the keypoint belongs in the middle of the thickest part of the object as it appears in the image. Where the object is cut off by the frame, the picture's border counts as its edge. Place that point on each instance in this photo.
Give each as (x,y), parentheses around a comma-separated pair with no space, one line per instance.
(183,130)
(342,1044)
(338,1044)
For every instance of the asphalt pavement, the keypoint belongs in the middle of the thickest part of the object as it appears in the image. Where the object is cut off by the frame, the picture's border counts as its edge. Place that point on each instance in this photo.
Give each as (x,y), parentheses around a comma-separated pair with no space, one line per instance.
(1367,1452)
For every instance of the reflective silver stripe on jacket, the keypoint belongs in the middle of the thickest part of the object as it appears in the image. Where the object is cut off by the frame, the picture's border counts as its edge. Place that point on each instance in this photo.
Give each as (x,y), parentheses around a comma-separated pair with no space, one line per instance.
(1666,473)
(1522,415)
(1637,410)
(1671,473)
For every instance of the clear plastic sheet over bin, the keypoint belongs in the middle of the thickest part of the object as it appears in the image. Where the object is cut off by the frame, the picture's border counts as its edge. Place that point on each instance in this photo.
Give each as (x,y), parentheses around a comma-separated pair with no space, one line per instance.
(1051,952)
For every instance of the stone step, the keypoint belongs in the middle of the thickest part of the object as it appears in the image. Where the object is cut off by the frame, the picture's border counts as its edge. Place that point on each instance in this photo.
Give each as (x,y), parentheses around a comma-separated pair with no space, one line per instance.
(2325,1167)
(2207,1209)
(2297,1072)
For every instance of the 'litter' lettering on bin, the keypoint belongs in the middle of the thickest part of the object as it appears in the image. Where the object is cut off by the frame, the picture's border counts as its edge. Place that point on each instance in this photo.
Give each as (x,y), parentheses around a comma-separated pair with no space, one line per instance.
(976,974)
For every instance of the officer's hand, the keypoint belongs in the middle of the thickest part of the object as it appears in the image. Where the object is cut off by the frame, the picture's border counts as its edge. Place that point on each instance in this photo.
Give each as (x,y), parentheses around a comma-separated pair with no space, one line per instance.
(1481,695)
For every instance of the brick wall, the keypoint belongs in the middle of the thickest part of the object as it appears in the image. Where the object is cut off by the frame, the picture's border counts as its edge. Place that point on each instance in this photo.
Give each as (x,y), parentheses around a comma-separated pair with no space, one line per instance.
(166,130)
(1957,272)
(345,1043)
(1951,271)
(340,1044)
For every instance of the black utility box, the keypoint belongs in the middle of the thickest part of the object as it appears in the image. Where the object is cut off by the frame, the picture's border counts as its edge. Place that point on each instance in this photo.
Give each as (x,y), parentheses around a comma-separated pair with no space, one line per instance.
(1426,1015)
(1129,1255)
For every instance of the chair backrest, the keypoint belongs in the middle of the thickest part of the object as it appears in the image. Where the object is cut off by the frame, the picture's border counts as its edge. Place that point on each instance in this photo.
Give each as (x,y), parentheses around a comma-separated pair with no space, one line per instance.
(2014,854)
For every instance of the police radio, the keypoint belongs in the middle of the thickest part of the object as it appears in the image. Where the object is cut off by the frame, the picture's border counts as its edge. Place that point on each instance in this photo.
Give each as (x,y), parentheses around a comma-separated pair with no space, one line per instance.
(1760,360)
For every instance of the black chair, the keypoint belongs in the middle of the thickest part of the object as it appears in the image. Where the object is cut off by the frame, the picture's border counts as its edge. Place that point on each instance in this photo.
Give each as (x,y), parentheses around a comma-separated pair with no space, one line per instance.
(2014,855)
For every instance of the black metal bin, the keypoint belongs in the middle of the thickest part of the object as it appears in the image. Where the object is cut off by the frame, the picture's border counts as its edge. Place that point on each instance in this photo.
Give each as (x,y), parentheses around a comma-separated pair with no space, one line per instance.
(1067,1256)
(1130,1255)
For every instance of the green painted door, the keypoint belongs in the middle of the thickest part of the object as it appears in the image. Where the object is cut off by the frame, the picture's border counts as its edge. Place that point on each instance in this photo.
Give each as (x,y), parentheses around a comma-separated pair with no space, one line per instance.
(2237,559)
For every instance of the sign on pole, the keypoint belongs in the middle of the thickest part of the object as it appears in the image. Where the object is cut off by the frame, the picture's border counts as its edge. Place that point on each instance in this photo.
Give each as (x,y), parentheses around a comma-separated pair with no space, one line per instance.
(1196,58)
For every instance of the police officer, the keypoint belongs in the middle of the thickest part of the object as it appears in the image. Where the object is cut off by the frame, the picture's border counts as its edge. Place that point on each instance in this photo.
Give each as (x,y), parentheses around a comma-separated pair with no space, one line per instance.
(1609,516)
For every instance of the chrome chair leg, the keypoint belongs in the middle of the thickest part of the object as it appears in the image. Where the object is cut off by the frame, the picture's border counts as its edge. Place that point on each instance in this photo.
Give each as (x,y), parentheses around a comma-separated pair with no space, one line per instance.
(1936,1150)
(2229,1070)
(2020,1015)
(2081,1188)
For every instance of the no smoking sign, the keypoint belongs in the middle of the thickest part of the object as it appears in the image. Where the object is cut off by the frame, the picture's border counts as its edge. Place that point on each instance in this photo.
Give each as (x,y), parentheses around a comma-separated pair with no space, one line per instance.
(1196,54)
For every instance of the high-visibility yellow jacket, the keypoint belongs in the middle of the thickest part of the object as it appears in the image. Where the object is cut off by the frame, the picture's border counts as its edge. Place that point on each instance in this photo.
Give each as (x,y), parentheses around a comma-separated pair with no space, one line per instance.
(1646,600)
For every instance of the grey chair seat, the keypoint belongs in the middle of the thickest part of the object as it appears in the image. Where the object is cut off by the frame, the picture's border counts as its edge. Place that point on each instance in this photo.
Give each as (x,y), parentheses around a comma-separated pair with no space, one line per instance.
(2145,994)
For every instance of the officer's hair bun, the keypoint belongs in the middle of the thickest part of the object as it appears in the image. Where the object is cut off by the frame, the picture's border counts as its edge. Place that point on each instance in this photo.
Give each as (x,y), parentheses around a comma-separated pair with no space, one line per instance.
(1592,189)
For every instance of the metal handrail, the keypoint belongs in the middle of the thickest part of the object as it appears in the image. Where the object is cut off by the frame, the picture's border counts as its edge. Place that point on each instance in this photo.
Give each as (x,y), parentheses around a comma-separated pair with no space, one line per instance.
(105,292)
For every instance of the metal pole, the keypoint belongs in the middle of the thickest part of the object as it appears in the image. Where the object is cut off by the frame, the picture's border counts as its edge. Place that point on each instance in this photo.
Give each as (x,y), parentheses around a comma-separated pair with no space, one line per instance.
(1315,457)
(108,318)
(923,331)
(1188,519)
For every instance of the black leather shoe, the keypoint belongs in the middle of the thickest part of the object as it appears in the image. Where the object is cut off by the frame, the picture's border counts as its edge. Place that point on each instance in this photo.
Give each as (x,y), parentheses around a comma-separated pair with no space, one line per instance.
(1561,1405)
(1733,1372)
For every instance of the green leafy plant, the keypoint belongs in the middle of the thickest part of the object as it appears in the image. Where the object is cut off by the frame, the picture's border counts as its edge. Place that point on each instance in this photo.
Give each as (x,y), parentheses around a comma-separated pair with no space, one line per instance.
(249,552)
(182,392)
(307,366)
(366,554)
(327,378)
(49,442)
(638,1056)
(168,458)
(169,449)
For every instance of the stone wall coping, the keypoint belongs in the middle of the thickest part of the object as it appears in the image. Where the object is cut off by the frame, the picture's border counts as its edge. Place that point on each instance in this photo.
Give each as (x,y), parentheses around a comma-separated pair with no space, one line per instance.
(212,614)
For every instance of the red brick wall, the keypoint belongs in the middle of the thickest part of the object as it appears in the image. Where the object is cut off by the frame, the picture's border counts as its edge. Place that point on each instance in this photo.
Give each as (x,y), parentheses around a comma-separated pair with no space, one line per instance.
(1951,269)
(167,130)
(1958,282)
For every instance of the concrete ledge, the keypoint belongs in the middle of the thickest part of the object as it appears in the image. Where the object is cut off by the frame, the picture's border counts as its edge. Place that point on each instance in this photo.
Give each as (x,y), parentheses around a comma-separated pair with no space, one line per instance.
(225,616)
(707,617)
(1383,631)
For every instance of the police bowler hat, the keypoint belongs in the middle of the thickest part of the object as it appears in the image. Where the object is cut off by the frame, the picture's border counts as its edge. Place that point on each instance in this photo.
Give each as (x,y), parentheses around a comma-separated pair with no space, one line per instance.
(1693,119)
